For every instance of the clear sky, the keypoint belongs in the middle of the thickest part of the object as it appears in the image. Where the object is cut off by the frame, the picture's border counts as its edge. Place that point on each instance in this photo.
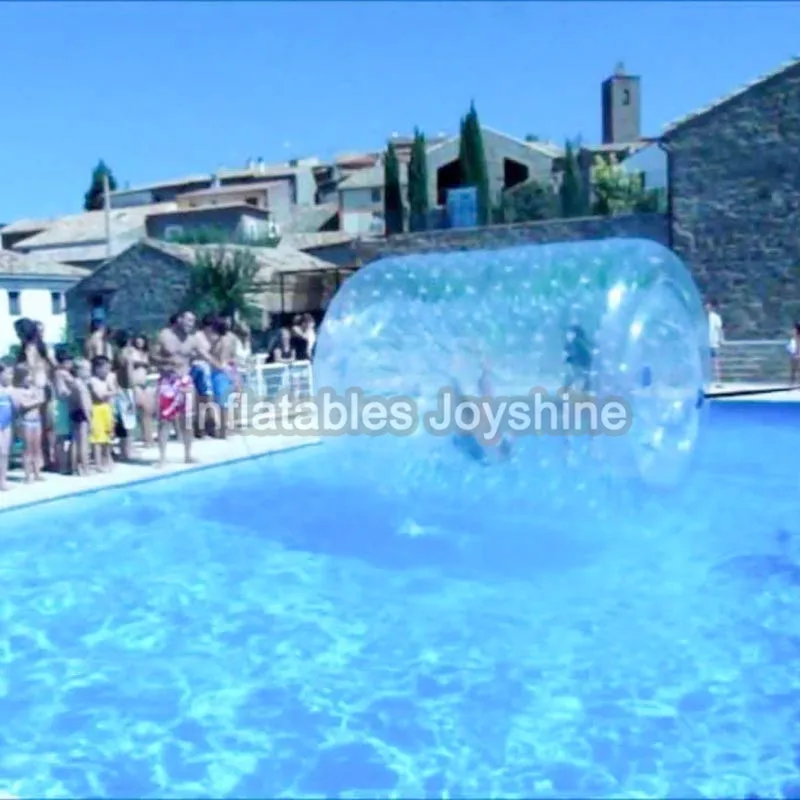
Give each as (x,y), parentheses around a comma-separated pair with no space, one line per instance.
(164,89)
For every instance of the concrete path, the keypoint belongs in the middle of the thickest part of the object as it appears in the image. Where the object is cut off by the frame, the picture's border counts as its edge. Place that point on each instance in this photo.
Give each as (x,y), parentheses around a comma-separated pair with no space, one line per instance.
(208,452)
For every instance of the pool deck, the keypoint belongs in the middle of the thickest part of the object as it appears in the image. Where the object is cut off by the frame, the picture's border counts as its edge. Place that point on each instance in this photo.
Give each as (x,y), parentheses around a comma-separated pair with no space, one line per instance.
(208,452)
(760,392)
(215,452)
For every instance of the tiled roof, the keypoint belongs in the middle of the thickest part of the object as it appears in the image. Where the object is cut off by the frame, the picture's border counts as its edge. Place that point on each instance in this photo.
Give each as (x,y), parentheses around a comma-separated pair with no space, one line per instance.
(271,260)
(615,147)
(545,148)
(309,219)
(91,226)
(34,266)
(235,189)
(724,100)
(310,241)
(254,171)
(370,178)
(26,225)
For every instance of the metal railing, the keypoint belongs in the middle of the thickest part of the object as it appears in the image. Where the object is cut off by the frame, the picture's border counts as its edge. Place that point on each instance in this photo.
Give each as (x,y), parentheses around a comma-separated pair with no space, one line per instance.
(755,361)
(267,380)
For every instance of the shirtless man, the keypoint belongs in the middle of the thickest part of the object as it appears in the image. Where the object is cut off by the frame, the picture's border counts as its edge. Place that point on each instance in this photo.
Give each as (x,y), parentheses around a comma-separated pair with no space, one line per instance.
(174,350)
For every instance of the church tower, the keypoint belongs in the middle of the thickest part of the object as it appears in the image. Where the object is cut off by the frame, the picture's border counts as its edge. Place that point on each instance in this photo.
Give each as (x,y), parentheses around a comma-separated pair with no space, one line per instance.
(622,107)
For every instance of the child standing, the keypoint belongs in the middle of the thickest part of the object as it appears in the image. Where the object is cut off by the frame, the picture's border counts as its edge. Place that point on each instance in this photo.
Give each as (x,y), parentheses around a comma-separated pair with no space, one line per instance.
(102,420)
(62,384)
(80,412)
(29,400)
(6,427)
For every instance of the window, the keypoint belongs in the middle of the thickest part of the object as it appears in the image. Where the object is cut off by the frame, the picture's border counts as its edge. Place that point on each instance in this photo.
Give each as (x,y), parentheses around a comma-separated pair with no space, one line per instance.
(57,303)
(626,97)
(376,195)
(252,201)
(14,304)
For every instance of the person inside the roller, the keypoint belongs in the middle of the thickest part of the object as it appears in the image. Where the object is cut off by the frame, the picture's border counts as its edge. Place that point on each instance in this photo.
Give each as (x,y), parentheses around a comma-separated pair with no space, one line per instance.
(578,359)
(478,440)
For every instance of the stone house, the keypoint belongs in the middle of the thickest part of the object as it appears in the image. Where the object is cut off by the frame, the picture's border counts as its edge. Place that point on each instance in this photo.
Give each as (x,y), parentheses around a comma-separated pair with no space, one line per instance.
(143,286)
(734,200)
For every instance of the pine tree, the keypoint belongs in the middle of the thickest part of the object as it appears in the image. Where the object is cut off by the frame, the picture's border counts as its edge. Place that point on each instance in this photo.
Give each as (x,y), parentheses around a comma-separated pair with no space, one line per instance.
(392,196)
(574,202)
(418,184)
(94,200)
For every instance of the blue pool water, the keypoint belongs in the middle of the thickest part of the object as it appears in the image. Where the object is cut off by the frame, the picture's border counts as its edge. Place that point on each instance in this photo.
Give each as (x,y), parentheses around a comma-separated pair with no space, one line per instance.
(267,629)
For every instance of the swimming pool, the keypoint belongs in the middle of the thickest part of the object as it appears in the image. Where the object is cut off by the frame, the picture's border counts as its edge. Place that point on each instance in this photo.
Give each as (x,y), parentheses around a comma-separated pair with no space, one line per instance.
(266,630)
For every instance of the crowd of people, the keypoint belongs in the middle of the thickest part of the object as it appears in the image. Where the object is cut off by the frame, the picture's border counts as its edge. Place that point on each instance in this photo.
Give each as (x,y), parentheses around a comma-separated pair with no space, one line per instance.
(79,414)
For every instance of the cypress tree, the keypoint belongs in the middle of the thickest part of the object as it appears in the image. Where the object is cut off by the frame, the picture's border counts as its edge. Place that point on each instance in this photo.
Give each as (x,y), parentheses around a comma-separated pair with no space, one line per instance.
(574,202)
(472,158)
(93,200)
(418,184)
(480,168)
(392,196)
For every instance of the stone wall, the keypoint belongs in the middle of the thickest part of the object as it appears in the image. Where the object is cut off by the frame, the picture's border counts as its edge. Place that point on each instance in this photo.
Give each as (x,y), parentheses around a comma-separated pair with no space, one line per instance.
(644,226)
(140,288)
(735,173)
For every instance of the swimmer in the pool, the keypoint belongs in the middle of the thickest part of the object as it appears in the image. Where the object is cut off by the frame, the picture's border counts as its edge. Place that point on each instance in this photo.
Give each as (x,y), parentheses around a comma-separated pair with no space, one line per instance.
(578,359)
(482,444)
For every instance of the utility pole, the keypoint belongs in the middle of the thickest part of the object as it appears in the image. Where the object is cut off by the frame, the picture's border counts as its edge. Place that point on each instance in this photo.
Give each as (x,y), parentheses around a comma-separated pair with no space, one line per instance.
(107,212)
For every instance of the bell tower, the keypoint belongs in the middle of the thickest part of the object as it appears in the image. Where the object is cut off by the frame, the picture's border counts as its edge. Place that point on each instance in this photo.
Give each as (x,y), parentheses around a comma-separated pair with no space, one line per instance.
(622,107)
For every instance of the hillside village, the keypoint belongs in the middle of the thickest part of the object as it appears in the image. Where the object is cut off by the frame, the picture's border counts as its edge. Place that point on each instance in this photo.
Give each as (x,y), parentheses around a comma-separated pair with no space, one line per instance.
(310,223)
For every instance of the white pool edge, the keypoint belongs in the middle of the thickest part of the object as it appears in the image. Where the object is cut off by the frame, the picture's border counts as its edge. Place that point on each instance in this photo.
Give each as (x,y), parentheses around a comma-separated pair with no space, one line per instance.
(61,487)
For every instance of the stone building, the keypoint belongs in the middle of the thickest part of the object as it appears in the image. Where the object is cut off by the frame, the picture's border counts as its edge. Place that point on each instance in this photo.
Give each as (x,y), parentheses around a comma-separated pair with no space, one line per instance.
(734,197)
(143,286)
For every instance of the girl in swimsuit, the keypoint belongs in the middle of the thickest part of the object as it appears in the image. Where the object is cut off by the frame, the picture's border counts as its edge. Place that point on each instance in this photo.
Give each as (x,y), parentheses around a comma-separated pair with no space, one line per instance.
(29,400)
(139,358)
(36,356)
(6,426)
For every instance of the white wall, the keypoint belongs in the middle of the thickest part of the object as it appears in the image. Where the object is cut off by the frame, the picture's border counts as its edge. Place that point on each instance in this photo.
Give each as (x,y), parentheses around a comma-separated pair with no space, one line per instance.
(362,223)
(36,302)
(652,162)
(363,199)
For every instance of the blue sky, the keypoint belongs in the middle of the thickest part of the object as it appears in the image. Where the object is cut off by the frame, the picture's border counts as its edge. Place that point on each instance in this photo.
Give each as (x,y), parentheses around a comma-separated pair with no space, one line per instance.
(165,89)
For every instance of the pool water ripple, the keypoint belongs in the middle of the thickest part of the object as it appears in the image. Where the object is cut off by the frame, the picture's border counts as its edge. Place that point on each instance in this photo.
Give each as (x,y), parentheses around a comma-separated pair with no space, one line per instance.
(159,649)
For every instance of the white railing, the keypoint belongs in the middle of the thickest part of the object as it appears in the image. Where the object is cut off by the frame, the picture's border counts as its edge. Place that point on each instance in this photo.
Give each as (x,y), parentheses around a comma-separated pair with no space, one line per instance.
(268,380)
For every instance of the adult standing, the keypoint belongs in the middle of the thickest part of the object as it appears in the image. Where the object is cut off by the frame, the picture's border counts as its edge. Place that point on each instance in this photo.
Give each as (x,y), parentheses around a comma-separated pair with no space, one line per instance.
(716,336)
(174,349)
(98,344)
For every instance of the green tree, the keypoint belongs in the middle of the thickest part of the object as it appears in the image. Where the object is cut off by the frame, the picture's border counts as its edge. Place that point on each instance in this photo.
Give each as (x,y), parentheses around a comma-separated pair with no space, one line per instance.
(211,234)
(617,191)
(472,159)
(225,280)
(392,195)
(529,202)
(574,202)
(418,184)
(94,200)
